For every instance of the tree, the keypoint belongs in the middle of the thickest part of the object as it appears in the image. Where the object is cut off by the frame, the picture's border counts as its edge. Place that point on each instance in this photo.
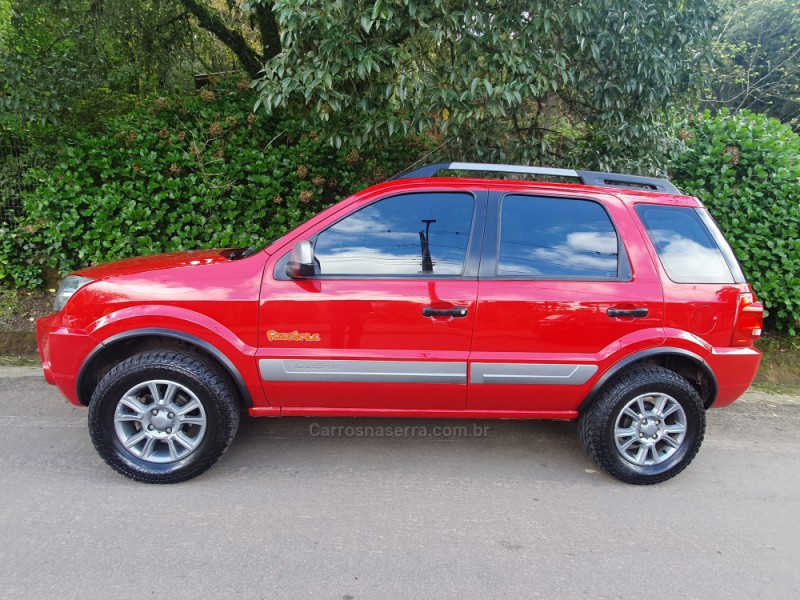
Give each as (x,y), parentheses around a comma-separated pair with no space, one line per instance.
(552,82)
(225,25)
(757,59)
(67,67)
(60,52)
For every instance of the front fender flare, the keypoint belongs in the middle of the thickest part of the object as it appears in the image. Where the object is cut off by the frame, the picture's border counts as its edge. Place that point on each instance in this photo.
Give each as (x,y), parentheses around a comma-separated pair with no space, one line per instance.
(220,356)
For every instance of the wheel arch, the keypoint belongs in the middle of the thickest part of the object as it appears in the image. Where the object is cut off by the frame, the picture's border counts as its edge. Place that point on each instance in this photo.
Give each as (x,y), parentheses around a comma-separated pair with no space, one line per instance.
(685,363)
(123,345)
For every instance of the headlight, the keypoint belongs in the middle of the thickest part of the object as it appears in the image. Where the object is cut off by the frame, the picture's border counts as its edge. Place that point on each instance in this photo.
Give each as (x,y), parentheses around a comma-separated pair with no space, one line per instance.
(69,286)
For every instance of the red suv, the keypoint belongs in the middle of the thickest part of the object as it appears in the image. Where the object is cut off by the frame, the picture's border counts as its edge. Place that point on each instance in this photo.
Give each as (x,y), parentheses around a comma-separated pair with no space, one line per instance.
(615,301)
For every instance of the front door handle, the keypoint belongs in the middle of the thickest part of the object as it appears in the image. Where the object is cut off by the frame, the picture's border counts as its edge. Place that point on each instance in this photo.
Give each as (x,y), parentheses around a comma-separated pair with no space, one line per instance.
(429,311)
(624,312)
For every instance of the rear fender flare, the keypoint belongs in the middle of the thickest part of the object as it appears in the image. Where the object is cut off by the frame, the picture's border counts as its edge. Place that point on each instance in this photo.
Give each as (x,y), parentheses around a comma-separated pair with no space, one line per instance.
(624,363)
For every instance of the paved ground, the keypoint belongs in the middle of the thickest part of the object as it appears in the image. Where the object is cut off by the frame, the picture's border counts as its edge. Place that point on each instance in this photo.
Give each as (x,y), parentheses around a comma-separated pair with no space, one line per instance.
(287,513)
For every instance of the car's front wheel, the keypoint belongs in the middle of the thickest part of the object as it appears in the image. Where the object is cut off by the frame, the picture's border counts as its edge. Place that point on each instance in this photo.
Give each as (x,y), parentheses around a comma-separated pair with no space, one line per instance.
(645,427)
(163,416)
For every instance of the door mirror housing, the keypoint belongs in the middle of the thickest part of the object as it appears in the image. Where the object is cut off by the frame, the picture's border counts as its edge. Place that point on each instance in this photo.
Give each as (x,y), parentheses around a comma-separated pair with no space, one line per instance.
(301,263)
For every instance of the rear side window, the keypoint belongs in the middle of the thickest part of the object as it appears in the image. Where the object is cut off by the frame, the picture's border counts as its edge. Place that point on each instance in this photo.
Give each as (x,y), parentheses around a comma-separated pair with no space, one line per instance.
(557,238)
(689,245)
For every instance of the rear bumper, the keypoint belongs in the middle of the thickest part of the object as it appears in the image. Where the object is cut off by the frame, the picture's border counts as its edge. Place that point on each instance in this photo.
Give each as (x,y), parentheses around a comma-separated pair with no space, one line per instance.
(63,351)
(735,369)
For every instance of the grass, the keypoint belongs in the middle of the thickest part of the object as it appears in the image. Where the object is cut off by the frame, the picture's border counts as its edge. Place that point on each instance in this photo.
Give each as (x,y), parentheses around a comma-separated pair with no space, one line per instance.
(19,361)
(9,303)
(780,365)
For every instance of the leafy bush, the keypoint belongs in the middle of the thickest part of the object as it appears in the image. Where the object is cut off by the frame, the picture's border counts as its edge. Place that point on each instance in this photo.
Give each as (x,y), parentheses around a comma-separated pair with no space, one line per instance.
(745,168)
(185,172)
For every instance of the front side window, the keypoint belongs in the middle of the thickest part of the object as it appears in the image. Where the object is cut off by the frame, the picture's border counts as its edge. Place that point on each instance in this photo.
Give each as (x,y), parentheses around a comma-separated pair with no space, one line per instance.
(686,247)
(422,235)
(556,238)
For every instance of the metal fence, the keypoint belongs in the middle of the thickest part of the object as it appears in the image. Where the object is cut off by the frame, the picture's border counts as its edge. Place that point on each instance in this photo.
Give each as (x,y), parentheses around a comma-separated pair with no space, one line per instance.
(16,161)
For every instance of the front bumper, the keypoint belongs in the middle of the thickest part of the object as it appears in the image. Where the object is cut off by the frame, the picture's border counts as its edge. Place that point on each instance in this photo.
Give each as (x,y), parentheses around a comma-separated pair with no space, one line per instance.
(63,351)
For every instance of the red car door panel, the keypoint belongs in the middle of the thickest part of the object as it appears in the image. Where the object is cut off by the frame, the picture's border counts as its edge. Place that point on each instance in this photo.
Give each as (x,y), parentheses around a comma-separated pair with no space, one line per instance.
(388,320)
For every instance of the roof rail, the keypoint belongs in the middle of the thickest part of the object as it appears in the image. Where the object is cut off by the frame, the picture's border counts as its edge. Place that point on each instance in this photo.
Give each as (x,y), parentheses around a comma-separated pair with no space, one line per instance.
(585,177)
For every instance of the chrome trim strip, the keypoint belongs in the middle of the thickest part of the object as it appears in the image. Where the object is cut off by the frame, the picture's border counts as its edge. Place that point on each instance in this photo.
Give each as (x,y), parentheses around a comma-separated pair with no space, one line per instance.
(362,371)
(526,373)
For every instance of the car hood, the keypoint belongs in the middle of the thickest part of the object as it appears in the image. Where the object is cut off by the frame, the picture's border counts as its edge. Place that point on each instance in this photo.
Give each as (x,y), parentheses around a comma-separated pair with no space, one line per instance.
(155,262)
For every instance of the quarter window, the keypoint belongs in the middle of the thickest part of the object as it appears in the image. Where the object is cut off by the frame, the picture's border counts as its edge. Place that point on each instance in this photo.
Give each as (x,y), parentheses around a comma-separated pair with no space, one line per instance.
(556,238)
(687,249)
(408,235)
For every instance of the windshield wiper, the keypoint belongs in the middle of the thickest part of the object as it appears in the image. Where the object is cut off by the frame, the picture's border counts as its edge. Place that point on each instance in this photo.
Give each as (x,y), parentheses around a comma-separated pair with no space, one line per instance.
(240,253)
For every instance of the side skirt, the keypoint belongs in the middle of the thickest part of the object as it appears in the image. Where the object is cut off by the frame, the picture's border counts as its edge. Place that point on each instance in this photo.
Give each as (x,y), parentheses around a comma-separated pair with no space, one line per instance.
(304,411)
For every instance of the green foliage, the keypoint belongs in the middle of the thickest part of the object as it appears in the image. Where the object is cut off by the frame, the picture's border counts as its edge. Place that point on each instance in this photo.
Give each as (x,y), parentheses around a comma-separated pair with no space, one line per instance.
(40,70)
(17,265)
(185,172)
(547,82)
(746,169)
(93,109)
(5,22)
(756,49)
(68,67)
(58,54)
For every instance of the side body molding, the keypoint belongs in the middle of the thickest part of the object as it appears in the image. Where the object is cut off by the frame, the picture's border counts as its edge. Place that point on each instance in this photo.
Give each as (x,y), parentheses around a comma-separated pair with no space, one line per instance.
(363,371)
(389,371)
(527,373)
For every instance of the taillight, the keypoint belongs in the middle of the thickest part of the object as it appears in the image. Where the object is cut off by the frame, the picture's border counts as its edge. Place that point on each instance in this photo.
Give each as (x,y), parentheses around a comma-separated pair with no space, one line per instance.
(749,320)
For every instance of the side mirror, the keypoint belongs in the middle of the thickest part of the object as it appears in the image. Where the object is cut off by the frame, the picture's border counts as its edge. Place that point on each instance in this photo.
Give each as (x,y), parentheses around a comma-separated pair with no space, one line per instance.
(301,263)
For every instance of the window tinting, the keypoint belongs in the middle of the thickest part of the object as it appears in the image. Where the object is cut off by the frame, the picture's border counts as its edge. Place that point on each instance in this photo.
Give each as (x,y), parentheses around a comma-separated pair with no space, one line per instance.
(553,238)
(686,248)
(407,235)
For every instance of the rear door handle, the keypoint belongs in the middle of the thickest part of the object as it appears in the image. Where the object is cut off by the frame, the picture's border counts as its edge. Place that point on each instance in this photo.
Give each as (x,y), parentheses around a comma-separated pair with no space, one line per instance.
(429,311)
(625,312)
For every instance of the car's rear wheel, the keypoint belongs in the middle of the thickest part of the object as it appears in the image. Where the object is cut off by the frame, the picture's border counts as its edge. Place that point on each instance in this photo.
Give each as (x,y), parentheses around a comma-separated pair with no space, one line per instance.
(645,427)
(163,417)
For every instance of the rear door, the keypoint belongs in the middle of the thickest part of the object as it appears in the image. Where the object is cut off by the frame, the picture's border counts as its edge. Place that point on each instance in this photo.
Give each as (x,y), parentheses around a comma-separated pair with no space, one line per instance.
(387,319)
(559,293)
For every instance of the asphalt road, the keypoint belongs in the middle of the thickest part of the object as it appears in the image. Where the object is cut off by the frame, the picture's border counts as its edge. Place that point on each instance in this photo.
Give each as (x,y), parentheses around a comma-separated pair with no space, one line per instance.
(519,512)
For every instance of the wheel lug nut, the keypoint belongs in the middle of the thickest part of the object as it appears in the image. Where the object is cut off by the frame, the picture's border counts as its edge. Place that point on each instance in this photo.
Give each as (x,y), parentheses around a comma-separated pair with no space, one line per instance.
(155,411)
(170,415)
(655,436)
(150,427)
(644,422)
(641,435)
(169,430)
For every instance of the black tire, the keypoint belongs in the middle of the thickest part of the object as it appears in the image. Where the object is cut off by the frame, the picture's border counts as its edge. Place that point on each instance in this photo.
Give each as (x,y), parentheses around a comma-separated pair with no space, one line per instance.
(649,449)
(191,416)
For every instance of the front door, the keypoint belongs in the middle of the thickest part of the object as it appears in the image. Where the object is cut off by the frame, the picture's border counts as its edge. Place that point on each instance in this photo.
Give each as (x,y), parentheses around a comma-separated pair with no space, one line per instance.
(387,318)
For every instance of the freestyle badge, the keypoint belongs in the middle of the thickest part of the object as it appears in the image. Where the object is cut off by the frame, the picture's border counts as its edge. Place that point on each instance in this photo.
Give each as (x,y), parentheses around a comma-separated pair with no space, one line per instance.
(292,336)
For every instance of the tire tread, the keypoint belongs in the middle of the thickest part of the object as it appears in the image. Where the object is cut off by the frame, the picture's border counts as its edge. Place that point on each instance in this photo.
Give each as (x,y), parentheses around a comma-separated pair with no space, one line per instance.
(191,365)
(594,421)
